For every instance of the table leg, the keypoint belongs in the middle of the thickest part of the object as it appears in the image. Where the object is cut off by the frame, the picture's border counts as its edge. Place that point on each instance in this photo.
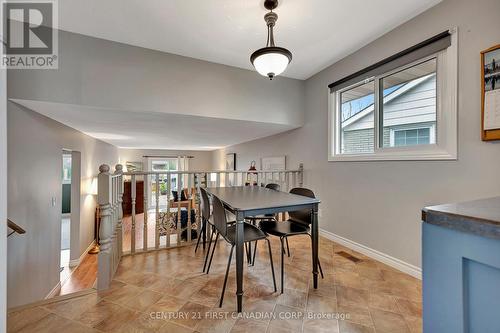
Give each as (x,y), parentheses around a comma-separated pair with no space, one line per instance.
(239,262)
(315,241)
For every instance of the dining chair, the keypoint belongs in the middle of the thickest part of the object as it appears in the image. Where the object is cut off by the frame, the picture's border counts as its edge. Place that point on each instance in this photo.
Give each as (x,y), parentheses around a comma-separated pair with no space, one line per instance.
(228,232)
(258,218)
(254,219)
(207,219)
(298,223)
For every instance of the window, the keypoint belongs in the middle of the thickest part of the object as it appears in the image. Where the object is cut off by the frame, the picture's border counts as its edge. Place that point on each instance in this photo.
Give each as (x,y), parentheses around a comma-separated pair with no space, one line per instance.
(403,108)
(356,130)
(66,176)
(411,137)
(411,102)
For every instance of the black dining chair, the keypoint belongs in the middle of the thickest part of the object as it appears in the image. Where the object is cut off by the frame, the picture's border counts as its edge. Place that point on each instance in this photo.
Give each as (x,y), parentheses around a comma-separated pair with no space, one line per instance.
(298,223)
(207,219)
(228,232)
(258,218)
(254,219)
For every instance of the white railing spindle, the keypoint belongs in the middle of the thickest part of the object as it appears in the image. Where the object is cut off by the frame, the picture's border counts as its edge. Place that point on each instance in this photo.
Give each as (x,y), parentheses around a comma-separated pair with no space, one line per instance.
(133,195)
(157,212)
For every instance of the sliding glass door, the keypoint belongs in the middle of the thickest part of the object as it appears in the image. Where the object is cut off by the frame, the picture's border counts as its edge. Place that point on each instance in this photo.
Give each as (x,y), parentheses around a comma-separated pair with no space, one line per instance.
(161,165)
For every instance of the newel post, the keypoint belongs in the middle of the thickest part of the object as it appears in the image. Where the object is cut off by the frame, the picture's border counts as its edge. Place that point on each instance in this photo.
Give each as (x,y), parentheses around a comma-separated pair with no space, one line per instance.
(301,175)
(119,171)
(104,198)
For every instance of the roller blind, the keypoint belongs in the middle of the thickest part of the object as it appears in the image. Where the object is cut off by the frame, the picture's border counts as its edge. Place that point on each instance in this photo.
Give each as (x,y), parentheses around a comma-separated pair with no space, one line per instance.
(411,54)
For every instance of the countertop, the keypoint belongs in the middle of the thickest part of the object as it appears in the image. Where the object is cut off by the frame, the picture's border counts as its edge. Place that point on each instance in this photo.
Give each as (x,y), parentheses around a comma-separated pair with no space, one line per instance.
(479,217)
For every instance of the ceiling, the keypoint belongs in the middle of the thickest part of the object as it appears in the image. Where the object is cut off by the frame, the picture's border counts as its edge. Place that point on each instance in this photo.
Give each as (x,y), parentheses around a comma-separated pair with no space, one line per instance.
(318,32)
(154,130)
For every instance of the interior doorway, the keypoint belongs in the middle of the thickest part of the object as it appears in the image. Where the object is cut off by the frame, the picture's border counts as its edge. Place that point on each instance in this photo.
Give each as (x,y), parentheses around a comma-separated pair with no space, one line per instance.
(66,182)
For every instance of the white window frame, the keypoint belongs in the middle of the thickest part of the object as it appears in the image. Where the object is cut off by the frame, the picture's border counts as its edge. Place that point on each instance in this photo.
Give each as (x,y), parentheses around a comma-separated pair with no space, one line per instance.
(446,146)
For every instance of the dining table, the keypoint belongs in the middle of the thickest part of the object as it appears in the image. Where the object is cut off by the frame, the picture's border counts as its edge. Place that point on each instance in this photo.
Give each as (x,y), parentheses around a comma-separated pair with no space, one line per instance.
(246,201)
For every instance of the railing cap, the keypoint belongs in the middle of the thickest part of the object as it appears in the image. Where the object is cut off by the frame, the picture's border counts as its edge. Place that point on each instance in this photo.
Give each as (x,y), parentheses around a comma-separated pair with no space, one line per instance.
(104,168)
(118,167)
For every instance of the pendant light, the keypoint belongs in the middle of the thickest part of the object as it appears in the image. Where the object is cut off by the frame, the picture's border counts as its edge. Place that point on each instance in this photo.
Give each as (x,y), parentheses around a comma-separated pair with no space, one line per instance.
(271,60)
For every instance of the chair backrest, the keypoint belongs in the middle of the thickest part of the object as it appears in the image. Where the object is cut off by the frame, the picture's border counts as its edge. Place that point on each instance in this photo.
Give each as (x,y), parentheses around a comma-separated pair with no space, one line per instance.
(205,204)
(273,186)
(301,216)
(219,216)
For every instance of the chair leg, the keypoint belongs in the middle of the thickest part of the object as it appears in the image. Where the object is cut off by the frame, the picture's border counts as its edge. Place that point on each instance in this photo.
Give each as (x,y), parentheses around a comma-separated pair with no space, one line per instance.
(213,251)
(272,265)
(320,269)
(225,278)
(249,253)
(254,252)
(282,265)
(208,252)
(287,247)
(202,232)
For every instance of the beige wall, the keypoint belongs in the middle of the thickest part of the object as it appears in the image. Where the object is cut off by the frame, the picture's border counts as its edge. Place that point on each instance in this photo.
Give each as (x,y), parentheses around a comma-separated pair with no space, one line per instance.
(202,159)
(35,145)
(378,204)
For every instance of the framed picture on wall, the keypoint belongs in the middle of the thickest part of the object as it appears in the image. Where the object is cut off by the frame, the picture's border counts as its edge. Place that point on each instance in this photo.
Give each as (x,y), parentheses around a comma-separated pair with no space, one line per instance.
(231,161)
(273,163)
(490,93)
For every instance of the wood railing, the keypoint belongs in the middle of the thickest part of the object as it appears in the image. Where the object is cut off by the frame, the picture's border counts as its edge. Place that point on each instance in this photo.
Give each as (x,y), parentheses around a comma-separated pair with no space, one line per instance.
(109,197)
(15,228)
(171,227)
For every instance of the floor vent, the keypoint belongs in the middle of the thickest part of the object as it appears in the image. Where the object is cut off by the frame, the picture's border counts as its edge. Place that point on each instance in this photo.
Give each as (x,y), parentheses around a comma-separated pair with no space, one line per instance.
(348,256)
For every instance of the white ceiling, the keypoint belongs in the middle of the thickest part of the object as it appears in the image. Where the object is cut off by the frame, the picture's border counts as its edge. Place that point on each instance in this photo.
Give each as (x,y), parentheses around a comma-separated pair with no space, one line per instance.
(318,32)
(149,130)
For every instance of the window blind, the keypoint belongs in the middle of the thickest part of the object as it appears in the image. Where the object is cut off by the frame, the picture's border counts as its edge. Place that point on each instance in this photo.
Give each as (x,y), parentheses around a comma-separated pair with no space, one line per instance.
(411,54)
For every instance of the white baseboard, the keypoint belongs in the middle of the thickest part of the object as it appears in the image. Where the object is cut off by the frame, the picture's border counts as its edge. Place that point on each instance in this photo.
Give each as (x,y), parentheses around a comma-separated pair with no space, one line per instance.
(374,254)
(54,291)
(76,262)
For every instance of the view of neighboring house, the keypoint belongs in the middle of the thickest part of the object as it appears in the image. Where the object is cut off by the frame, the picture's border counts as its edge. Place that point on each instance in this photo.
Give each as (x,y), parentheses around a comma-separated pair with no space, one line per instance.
(400,127)
(278,166)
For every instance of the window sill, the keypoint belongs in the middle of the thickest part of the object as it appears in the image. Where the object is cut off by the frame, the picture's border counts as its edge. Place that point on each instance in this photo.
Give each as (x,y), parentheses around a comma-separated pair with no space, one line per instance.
(420,155)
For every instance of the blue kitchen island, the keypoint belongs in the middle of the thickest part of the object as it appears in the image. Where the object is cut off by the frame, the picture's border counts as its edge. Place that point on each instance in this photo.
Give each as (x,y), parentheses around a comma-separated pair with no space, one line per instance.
(461,267)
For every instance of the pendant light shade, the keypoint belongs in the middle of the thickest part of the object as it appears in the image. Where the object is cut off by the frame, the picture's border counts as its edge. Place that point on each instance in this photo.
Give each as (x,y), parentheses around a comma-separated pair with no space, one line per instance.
(271,60)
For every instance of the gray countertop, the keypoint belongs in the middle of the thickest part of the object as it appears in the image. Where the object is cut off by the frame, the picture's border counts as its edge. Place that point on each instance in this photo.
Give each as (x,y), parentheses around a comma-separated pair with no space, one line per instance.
(479,217)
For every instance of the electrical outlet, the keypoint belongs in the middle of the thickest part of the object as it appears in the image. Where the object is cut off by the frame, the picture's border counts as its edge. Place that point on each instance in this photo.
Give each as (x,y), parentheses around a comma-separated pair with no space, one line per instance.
(54,201)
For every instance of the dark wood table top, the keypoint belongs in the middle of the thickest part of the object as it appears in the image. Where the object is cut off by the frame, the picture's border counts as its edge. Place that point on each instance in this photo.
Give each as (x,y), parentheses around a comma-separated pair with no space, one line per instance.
(256,198)
(480,217)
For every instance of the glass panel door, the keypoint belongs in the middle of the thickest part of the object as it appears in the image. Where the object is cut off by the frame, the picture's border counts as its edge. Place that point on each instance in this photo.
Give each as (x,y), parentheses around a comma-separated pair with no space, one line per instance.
(161,165)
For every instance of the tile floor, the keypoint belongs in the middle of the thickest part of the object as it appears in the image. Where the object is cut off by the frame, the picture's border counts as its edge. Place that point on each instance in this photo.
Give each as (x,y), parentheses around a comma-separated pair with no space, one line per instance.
(166,291)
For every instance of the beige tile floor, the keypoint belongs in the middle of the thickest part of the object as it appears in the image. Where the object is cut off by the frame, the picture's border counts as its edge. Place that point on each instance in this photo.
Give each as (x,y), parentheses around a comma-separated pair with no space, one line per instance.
(151,293)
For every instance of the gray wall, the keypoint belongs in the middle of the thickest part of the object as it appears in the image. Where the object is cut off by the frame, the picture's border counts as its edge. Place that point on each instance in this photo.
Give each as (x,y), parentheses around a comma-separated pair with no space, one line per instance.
(378,204)
(97,72)
(35,145)
(202,159)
